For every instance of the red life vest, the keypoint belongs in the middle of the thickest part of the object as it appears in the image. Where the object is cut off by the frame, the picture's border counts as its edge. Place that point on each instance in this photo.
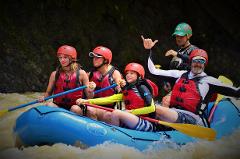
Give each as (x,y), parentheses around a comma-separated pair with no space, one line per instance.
(62,83)
(186,95)
(132,99)
(102,82)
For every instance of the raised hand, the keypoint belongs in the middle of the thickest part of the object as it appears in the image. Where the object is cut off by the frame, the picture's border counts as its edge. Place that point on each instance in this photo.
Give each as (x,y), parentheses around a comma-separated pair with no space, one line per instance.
(148,43)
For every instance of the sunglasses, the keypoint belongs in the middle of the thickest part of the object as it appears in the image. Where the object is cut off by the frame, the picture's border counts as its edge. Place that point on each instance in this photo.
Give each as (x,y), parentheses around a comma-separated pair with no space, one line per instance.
(201,61)
(92,54)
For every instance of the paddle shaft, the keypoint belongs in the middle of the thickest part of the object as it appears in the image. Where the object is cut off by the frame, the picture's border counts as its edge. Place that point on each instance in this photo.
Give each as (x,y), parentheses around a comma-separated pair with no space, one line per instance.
(104,89)
(49,97)
(219,97)
(61,94)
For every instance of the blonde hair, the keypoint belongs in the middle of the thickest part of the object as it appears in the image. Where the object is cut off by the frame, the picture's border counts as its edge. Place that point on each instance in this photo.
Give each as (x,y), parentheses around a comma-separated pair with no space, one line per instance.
(75,66)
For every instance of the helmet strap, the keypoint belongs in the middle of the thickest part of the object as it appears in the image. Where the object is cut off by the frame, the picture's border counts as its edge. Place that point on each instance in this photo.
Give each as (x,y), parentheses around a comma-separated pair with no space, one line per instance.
(101,65)
(187,41)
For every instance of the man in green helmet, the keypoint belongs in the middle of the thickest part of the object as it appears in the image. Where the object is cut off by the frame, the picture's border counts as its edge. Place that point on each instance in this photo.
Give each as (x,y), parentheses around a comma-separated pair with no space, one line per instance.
(180,60)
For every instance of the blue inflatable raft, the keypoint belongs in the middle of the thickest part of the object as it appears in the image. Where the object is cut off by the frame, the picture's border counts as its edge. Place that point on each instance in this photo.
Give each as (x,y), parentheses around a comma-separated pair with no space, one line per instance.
(44,125)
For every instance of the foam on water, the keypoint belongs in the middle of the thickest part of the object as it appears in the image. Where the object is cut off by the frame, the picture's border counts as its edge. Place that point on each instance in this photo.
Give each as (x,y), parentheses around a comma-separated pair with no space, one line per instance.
(227,147)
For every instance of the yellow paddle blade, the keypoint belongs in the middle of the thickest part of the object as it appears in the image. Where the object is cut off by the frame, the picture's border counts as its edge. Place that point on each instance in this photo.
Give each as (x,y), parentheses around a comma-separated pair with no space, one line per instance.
(225,80)
(192,130)
(219,97)
(157,66)
(2,112)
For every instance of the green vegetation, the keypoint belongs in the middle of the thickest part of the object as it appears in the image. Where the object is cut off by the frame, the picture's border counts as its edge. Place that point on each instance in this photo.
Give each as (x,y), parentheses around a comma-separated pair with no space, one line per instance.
(31,32)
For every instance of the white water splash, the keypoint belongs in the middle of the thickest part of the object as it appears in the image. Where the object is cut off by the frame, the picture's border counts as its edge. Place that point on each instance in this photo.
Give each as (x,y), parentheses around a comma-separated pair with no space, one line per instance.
(227,147)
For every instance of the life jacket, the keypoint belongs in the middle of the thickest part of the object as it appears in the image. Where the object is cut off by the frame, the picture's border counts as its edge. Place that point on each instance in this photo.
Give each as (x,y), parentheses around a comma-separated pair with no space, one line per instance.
(103,81)
(184,65)
(187,50)
(133,97)
(64,83)
(186,95)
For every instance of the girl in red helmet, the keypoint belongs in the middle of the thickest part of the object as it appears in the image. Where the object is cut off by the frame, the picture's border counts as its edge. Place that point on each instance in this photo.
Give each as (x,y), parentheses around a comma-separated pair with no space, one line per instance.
(104,75)
(192,91)
(137,97)
(67,76)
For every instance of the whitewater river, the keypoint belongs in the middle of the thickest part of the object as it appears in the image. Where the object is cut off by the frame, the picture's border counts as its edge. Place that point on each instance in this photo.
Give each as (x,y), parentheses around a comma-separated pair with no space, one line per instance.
(228,147)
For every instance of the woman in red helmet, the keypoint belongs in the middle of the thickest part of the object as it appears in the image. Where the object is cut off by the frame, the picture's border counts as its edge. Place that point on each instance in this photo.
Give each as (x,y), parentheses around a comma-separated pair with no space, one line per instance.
(67,76)
(137,97)
(104,75)
(191,92)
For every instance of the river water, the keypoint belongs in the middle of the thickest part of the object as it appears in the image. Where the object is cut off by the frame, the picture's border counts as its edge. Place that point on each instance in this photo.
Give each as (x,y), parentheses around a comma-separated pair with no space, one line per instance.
(227,147)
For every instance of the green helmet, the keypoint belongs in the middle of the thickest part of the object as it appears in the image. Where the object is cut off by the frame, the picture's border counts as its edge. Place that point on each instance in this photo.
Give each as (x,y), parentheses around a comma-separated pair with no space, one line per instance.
(182,29)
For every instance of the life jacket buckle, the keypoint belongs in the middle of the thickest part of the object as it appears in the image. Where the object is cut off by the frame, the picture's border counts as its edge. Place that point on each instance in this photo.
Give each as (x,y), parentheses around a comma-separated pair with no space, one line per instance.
(66,100)
(185,81)
(178,99)
(67,80)
(66,88)
(125,93)
(127,102)
(182,89)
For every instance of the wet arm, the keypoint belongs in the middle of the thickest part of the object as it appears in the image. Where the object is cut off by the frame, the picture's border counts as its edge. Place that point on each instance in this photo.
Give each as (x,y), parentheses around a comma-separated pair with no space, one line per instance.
(117,78)
(85,81)
(50,86)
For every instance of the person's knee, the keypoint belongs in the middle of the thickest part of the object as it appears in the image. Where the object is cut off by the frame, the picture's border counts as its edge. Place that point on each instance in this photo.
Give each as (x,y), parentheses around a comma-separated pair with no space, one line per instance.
(166,101)
(76,109)
(116,113)
(92,113)
(50,104)
(159,109)
(107,115)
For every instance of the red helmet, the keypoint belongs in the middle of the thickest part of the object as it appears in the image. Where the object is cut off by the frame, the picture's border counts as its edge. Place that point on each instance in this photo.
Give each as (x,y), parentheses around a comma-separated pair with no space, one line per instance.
(67,50)
(105,52)
(135,67)
(199,52)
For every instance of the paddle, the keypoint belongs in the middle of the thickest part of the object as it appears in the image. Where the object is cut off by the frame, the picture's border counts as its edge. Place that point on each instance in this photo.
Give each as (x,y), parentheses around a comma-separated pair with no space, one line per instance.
(188,129)
(224,80)
(2,112)
(104,89)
